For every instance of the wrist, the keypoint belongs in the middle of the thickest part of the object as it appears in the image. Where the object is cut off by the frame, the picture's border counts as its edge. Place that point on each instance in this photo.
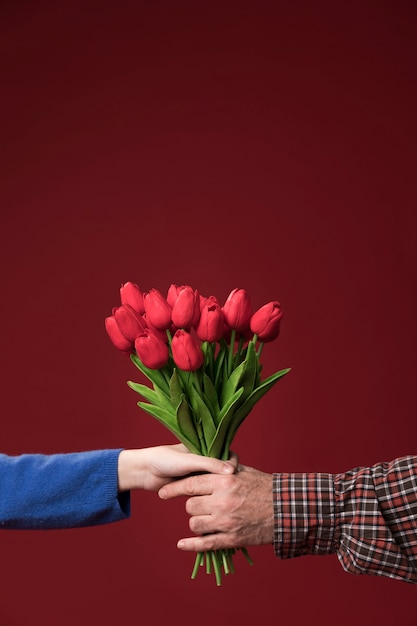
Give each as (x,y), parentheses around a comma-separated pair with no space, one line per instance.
(130,470)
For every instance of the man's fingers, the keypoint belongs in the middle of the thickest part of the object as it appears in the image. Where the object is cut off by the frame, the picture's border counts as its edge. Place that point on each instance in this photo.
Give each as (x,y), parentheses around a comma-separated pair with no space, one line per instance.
(190,486)
(206,543)
(191,544)
(201,524)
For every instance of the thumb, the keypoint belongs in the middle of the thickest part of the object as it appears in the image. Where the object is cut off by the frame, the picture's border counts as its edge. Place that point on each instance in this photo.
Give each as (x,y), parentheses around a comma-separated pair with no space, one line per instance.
(215,466)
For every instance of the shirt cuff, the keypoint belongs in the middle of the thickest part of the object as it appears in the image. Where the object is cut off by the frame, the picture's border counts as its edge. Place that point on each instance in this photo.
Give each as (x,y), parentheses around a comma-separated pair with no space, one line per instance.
(304,514)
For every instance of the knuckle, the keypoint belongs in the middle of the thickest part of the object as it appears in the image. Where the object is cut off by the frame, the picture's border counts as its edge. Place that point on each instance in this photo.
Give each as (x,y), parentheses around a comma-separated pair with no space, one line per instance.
(210,543)
(193,524)
(228,481)
(189,508)
(189,486)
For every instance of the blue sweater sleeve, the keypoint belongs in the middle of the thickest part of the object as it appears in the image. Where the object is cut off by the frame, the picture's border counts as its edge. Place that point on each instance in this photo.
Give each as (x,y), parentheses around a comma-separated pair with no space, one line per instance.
(61,490)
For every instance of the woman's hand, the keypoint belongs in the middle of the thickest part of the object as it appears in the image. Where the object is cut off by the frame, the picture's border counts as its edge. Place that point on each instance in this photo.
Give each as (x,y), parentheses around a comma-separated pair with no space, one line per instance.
(151,468)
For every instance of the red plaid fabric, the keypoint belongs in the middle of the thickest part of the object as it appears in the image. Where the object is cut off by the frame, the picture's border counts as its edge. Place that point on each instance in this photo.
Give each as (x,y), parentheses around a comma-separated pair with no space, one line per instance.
(368,516)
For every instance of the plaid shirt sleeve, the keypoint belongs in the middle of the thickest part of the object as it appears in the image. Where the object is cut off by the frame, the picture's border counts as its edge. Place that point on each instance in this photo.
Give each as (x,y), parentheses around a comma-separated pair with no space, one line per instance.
(368,516)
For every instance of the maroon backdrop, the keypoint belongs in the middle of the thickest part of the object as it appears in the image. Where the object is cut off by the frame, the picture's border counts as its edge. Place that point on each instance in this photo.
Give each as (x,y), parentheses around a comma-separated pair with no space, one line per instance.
(265,145)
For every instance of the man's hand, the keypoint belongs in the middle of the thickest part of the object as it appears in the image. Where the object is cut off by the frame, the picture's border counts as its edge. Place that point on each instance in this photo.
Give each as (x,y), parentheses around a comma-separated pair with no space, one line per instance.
(230,511)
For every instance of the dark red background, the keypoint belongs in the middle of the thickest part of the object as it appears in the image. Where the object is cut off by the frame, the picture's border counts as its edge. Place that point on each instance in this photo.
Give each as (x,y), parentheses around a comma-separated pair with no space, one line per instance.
(265,145)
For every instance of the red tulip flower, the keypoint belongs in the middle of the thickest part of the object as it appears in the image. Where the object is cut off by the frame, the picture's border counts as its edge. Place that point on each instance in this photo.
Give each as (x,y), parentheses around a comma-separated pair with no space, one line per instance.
(116,335)
(186,351)
(132,295)
(265,322)
(151,350)
(172,294)
(123,326)
(157,309)
(130,323)
(186,308)
(211,324)
(159,332)
(237,310)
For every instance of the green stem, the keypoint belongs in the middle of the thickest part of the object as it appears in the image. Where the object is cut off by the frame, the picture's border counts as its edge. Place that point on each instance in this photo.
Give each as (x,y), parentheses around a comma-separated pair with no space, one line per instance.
(197,383)
(246,555)
(225,563)
(211,349)
(216,565)
(231,350)
(208,562)
(219,364)
(198,560)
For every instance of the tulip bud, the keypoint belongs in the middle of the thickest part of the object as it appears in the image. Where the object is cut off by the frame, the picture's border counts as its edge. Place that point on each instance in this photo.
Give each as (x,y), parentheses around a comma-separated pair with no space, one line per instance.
(129,322)
(265,322)
(186,308)
(115,334)
(211,324)
(172,294)
(151,350)
(157,309)
(186,351)
(159,332)
(132,295)
(237,310)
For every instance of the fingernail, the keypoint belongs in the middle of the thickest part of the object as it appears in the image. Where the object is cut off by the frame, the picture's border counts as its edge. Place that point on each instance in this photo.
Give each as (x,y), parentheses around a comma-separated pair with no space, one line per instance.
(181,544)
(228,469)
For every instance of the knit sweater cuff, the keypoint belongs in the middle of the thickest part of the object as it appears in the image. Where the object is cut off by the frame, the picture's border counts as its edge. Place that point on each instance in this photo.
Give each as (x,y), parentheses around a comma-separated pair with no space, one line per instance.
(61,490)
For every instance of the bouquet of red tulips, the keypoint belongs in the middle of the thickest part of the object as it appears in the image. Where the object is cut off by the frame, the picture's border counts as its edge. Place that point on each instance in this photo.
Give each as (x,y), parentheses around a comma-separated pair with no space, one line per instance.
(203,361)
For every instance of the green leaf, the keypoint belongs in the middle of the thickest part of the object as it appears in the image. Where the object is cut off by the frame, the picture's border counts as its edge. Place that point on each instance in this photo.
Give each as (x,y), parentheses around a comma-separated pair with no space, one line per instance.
(240,356)
(225,417)
(230,403)
(170,423)
(258,375)
(165,400)
(203,415)
(267,384)
(184,378)
(161,414)
(244,375)
(155,376)
(211,397)
(154,396)
(209,351)
(186,424)
(248,379)
(218,365)
(143,390)
(175,388)
(232,383)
